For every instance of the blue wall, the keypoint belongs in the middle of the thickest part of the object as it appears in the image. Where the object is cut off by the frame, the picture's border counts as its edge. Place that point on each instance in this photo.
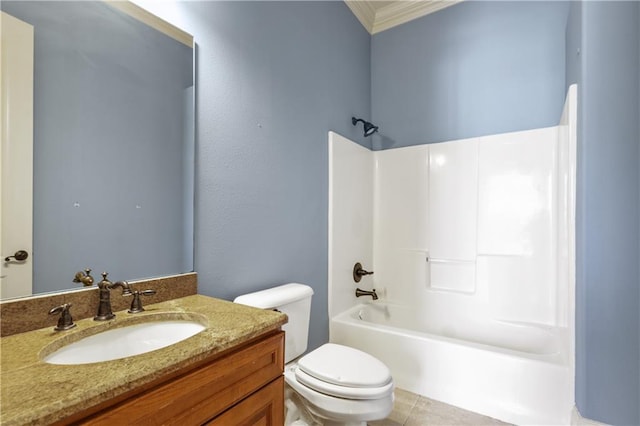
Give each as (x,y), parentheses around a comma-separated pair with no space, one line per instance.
(272,79)
(472,69)
(608,279)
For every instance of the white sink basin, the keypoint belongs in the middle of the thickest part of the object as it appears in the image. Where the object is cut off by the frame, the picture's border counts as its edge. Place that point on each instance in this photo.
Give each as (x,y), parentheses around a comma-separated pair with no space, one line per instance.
(125,342)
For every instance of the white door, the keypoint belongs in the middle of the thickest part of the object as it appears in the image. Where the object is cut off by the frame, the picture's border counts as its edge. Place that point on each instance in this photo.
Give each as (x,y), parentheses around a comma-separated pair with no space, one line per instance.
(16,157)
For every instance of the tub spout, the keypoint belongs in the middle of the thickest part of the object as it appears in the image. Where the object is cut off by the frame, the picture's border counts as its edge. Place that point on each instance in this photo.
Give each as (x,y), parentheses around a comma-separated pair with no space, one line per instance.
(372,293)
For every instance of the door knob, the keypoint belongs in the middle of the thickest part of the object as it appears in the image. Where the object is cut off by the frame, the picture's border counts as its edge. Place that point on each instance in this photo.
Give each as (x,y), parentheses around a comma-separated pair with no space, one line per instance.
(19,255)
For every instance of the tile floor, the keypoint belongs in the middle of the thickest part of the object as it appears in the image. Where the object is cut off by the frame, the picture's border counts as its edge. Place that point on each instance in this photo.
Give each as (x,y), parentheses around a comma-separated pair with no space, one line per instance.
(415,410)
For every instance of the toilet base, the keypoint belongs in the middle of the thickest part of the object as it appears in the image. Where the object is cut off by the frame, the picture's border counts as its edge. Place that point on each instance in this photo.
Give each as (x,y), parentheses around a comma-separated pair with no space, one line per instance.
(297,414)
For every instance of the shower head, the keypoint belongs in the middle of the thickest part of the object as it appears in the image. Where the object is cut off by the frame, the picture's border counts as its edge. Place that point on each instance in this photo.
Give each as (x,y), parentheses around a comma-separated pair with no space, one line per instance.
(369,128)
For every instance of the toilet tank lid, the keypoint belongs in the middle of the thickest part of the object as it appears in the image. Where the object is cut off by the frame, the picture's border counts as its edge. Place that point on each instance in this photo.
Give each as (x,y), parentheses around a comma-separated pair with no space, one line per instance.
(276,296)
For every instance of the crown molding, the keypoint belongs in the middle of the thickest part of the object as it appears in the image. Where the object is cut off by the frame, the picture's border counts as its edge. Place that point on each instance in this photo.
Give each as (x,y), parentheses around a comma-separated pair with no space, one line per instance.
(364,11)
(151,20)
(379,19)
(401,12)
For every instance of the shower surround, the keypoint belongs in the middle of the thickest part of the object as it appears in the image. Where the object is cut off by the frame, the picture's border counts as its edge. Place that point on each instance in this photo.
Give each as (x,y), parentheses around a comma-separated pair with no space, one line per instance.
(472,245)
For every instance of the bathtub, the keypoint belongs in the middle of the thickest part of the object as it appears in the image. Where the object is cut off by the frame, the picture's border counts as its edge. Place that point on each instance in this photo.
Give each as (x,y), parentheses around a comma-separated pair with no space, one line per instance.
(517,373)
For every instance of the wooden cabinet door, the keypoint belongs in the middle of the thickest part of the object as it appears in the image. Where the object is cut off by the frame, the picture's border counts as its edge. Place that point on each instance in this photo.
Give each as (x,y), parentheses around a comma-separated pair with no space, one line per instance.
(263,408)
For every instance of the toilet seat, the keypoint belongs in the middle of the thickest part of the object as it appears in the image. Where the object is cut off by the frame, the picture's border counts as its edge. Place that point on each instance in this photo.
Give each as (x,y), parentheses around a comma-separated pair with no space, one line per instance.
(344,366)
(342,391)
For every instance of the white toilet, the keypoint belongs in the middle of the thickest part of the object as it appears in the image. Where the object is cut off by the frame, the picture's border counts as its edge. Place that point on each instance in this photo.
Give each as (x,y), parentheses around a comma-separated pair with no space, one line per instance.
(337,384)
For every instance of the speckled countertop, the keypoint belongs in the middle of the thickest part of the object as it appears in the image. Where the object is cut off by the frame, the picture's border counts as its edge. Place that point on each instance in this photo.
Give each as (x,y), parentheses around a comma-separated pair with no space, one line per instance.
(34,392)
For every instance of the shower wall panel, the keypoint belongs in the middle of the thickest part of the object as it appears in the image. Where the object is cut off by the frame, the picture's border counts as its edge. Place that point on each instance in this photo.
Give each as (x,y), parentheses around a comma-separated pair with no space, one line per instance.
(350,219)
(472,223)
(401,209)
(518,223)
(453,211)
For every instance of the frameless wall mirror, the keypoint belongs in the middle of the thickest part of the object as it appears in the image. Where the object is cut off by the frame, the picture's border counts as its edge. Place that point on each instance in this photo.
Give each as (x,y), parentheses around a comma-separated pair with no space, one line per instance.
(112,138)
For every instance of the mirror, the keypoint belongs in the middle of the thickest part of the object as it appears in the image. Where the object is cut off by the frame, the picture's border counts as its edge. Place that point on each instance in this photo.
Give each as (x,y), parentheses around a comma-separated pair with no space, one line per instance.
(113,144)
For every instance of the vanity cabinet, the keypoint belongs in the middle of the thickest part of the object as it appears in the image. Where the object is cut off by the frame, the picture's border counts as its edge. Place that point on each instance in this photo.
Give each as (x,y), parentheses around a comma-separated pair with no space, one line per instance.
(244,386)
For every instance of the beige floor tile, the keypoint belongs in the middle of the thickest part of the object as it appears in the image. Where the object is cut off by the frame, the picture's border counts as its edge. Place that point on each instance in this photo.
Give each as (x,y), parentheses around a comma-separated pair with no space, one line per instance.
(414,410)
(402,406)
(384,422)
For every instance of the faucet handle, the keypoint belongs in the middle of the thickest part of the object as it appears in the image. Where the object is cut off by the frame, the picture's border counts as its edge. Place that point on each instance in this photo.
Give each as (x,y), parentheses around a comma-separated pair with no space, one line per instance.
(136,303)
(65,322)
(84,277)
(358,272)
(105,283)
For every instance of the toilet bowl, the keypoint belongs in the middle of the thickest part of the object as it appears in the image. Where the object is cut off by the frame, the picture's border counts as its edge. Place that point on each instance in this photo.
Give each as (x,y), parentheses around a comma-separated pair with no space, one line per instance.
(356,389)
(335,383)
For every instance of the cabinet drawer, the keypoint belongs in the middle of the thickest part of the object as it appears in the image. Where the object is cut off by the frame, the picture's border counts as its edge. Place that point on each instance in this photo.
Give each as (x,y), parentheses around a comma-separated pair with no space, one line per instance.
(202,394)
(265,407)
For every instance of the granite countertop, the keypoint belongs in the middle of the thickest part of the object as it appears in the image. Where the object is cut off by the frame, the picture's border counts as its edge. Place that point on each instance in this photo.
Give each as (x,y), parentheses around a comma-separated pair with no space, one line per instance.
(34,392)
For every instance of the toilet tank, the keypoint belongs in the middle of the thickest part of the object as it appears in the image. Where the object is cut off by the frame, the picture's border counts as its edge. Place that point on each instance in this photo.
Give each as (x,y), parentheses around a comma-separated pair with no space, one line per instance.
(291,299)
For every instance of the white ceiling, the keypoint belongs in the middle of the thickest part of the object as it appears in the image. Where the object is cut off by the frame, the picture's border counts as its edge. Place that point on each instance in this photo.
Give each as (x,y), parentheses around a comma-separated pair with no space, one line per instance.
(379,15)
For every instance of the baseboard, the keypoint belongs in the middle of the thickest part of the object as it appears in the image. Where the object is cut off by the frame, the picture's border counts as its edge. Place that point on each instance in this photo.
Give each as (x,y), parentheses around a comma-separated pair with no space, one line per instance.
(578,420)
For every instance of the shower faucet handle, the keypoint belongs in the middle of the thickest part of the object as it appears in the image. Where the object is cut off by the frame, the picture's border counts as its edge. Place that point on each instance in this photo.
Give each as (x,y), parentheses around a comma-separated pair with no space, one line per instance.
(358,272)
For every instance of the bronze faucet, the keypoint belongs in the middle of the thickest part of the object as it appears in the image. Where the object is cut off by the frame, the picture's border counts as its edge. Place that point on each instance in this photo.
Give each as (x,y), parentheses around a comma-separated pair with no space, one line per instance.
(84,277)
(104,308)
(372,293)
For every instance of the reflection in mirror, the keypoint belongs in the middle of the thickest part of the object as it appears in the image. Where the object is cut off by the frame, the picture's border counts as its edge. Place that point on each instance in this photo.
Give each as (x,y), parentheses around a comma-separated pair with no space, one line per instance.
(113,145)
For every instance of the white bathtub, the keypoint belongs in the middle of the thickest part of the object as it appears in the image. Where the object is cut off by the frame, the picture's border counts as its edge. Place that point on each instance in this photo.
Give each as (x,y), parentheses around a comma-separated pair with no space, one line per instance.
(513,372)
